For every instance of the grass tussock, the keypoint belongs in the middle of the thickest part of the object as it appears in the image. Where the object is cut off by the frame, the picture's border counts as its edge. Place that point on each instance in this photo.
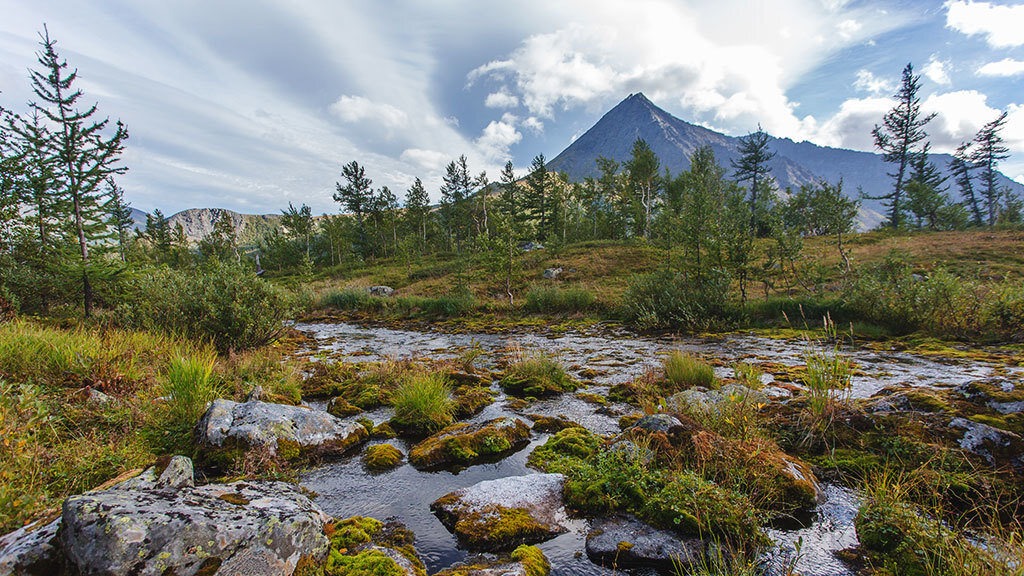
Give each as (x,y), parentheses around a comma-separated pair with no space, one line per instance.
(548,298)
(686,371)
(423,402)
(828,377)
(535,374)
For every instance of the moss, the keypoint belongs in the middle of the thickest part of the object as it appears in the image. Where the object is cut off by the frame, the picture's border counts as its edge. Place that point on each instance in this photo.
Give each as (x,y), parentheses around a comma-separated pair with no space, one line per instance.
(365,563)
(496,526)
(592,398)
(341,408)
(234,498)
(288,449)
(576,442)
(209,567)
(536,376)
(383,431)
(533,560)
(551,423)
(353,531)
(894,534)
(626,422)
(849,461)
(1009,422)
(470,400)
(463,443)
(381,457)
(927,400)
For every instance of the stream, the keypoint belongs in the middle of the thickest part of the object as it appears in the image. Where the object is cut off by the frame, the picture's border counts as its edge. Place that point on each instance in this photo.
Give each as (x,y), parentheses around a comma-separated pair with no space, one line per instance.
(344,488)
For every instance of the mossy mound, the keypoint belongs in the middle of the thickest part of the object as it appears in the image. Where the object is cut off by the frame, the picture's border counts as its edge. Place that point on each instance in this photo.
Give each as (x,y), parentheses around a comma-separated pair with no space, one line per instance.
(464,443)
(543,423)
(340,407)
(367,547)
(381,457)
(572,442)
(592,398)
(536,376)
(470,400)
(524,561)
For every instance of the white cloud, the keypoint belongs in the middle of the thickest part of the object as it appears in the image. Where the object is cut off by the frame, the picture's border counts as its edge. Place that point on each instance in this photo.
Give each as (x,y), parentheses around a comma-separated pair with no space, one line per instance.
(360,109)
(501,99)
(498,136)
(868,82)
(938,70)
(851,126)
(848,28)
(1003,68)
(426,159)
(1001,25)
(535,125)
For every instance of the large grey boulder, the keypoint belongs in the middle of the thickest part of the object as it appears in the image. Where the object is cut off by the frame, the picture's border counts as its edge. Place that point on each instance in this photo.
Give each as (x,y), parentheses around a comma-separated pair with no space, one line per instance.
(284,431)
(383,291)
(32,550)
(504,513)
(625,542)
(258,528)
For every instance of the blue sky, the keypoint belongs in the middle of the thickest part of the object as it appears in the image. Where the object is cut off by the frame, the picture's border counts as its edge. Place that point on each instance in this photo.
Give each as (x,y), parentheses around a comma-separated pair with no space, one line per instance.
(249,104)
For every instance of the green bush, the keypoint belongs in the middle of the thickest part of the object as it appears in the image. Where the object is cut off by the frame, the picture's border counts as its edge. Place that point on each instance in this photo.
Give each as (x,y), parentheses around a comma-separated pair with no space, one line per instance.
(685,371)
(676,300)
(225,304)
(549,298)
(423,402)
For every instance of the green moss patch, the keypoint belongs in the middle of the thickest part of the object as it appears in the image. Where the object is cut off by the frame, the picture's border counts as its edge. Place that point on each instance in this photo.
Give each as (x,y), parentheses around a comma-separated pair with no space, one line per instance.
(463,443)
(381,457)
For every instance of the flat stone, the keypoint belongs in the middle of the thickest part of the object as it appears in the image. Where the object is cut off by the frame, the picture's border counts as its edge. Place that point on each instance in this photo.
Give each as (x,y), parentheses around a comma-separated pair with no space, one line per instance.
(625,542)
(504,513)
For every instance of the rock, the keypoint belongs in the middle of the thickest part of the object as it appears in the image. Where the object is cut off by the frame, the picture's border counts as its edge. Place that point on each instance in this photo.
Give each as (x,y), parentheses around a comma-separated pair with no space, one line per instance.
(265,528)
(552,273)
(383,291)
(625,542)
(542,423)
(989,442)
(501,514)
(174,474)
(381,457)
(362,545)
(658,423)
(706,400)
(530,246)
(286,431)
(255,395)
(524,561)
(340,407)
(97,397)
(776,393)
(32,550)
(464,443)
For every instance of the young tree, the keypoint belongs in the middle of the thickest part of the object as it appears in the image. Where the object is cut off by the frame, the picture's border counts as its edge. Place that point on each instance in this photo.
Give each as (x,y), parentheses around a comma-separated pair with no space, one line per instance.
(41,190)
(738,236)
(417,209)
(988,152)
(926,194)
(120,217)
(898,136)
(85,155)
(700,224)
(158,235)
(752,166)
(538,190)
(642,174)
(454,208)
(222,242)
(356,196)
(389,207)
(509,201)
(298,223)
(961,166)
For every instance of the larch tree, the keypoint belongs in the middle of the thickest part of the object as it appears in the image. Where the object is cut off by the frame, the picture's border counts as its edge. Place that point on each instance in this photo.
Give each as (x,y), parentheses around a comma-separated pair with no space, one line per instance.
(417,209)
(901,131)
(752,167)
(961,166)
(538,191)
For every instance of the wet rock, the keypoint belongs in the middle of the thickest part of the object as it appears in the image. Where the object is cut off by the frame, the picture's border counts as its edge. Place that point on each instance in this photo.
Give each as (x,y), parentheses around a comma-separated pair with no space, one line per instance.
(382,291)
(551,424)
(501,514)
(464,443)
(32,550)
(552,273)
(530,246)
(524,561)
(777,393)
(658,423)
(367,546)
(625,542)
(992,444)
(706,400)
(265,528)
(285,431)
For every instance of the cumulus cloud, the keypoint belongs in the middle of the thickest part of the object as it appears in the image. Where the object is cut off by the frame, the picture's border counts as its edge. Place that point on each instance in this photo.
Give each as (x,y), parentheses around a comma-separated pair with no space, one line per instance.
(1000,25)
(501,99)
(534,125)
(848,28)
(498,136)
(360,109)
(868,82)
(1003,68)
(430,160)
(937,70)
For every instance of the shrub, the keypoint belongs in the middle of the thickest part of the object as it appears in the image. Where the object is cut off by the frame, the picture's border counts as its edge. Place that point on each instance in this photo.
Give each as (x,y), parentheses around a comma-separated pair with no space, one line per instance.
(670,299)
(685,371)
(423,402)
(225,304)
(548,298)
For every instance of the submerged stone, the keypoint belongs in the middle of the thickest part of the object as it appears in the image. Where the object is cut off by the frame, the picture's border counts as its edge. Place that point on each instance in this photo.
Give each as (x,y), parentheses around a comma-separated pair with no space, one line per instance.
(625,542)
(503,513)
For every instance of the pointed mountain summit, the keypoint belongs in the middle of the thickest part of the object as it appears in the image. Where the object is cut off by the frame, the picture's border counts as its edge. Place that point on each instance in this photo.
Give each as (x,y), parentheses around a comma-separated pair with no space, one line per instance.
(674,140)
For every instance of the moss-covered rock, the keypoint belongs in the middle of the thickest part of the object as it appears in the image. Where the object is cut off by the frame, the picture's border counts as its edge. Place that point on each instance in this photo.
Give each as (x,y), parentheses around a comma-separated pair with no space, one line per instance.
(574,442)
(524,561)
(367,547)
(381,457)
(543,423)
(536,376)
(470,400)
(340,407)
(463,443)
(592,398)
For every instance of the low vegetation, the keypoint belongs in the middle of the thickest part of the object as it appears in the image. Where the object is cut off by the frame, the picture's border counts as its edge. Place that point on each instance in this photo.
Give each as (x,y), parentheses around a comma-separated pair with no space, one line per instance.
(535,374)
(423,403)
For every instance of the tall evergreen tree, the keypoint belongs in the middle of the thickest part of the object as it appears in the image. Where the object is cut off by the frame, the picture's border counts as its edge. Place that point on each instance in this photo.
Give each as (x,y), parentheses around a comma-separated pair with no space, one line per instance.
(298,223)
(120,217)
(926,193)
(537,197)
(356,196)
(702,208)
(901,131)
(417,209)
(988,152)
(961,166)
(41,190)
(455,188)
(509,201)
(752,167)
(642,173)
(85,154)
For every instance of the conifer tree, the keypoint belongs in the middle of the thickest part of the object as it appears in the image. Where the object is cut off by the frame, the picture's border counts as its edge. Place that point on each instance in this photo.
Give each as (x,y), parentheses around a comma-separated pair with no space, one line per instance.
(926,193)
(961,166)
(901,131)
(298,223)
(454,201)
(989,151)
(356,196)
(536,199)
(84,154)
(509,199)
(752,166)
(417,209)
(120,217)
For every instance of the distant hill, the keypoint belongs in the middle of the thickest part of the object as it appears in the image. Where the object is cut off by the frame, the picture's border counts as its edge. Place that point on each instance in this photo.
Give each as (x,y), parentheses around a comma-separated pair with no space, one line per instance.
(198,223)
(674,140)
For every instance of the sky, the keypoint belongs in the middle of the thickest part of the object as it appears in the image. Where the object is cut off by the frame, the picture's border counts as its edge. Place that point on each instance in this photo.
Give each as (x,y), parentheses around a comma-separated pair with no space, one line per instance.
(252,104)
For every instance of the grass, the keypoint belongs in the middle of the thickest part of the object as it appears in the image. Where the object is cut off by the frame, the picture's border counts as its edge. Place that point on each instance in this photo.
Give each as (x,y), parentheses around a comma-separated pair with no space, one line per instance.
(549,298)
(828,376)
(189,385)
(535,374)
(423,402)
(685,371)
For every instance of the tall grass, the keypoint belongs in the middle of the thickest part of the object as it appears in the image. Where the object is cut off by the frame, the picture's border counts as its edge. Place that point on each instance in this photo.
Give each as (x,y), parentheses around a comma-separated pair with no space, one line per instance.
(685,371)
(547,298)
(189,385)
(423,402)
(535,374)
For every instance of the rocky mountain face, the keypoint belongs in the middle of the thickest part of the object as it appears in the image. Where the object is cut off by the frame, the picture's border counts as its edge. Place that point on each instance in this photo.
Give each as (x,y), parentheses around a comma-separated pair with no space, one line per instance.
(198,222)
(674,140)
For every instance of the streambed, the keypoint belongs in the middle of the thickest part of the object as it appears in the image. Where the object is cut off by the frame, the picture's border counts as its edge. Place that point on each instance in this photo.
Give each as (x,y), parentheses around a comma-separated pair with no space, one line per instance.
(344,488)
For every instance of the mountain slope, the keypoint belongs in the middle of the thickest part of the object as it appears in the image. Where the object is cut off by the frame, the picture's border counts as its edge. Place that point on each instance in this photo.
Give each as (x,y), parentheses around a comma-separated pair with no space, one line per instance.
(197,223)
(673,140)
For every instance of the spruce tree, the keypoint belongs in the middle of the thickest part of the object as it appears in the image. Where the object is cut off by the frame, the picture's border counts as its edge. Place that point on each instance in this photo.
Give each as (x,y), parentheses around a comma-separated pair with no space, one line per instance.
(926,193)
(509,204)
(961,166)
(120,217)
(298,223)
(417,209)
(536,199)
(989,150)
(901,131)
(85,155)
(355,196)
(752,166)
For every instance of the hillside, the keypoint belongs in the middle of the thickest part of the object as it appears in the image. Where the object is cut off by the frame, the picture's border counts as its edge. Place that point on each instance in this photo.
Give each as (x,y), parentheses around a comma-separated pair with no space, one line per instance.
(674,140)
(198,222)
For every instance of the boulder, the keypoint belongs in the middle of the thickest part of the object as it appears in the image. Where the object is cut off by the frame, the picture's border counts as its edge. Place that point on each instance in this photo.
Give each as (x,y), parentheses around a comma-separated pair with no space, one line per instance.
(501,514)
(288,432)
(625,542)
(362,545)
(524,561)
(552,273)
(530,246)
(382,291)
(32,550)
(706,400)
(464,443)
(265,528)
(658,423)
(995,446)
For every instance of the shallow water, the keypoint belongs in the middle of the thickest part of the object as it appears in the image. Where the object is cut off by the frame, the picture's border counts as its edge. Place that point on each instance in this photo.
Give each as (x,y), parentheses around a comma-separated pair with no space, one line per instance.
(345,489)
